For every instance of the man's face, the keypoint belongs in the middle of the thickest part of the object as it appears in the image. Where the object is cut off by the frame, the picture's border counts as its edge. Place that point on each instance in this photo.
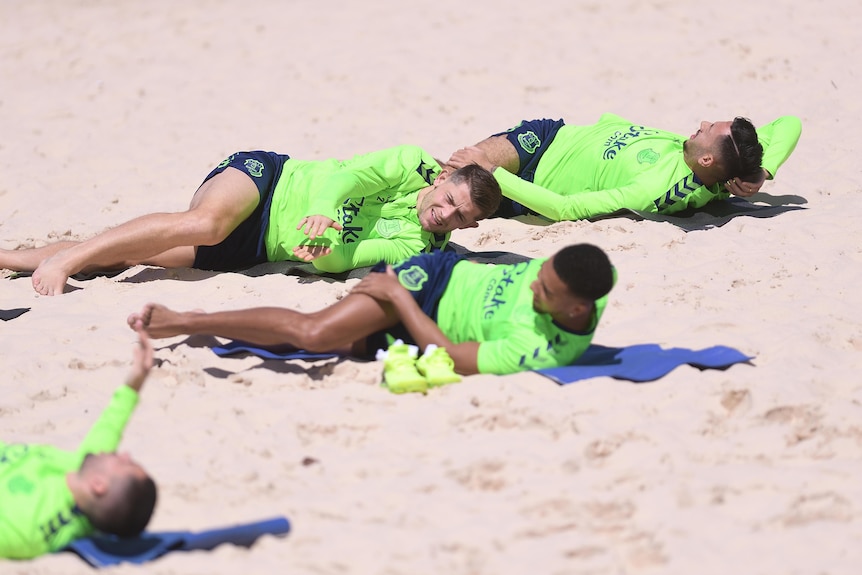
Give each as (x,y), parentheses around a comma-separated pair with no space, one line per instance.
(550,294)
(706,139)
(446,207)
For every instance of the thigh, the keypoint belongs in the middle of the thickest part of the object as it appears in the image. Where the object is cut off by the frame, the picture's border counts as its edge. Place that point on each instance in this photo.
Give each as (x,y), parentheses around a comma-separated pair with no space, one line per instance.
(229,197)
(351,320)
(178,257)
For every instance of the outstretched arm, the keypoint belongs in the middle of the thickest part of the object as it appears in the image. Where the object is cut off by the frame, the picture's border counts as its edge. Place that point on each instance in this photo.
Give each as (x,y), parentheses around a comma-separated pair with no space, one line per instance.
(778,139)
(577,205)
(385,287)
(106,433)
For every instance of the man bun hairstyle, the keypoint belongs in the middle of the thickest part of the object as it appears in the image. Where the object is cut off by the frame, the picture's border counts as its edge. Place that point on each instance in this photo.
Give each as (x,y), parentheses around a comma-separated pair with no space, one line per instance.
(742,153)
(485,192)
(586,270)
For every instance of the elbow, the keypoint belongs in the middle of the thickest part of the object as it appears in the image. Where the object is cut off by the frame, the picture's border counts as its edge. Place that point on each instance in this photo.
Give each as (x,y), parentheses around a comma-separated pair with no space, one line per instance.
(328,266)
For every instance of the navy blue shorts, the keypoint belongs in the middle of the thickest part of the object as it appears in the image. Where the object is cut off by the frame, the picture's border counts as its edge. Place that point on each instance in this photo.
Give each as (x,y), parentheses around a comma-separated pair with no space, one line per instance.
(426,277)
(245,246)
(531,139)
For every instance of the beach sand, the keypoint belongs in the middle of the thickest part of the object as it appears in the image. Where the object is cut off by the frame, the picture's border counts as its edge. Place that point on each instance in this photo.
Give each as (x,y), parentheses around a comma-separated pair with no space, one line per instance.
(114,109)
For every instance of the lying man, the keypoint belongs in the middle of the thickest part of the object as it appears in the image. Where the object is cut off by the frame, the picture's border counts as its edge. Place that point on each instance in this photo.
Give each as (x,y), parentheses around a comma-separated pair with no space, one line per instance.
(260,206)
(565,172)
(49,497)
(490,318)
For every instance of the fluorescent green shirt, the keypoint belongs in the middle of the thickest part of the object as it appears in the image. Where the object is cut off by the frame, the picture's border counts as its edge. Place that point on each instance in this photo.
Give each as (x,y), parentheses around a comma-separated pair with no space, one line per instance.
(373,196)
(493,304)
(593,170)
(37,512)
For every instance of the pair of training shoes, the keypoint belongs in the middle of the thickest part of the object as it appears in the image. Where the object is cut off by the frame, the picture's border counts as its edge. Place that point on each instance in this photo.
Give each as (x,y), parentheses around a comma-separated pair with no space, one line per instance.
(403,372)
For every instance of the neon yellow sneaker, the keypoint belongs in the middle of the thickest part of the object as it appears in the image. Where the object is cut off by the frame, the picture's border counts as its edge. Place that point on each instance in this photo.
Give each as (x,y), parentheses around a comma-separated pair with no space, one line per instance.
(399,369)
(437,367)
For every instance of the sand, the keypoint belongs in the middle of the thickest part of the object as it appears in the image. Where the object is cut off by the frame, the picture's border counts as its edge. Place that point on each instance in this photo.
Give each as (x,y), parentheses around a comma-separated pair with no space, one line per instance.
(113,109)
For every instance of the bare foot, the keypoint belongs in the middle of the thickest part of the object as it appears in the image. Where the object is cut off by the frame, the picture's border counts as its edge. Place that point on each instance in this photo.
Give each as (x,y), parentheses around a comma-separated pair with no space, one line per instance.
(157,321)
(51,275)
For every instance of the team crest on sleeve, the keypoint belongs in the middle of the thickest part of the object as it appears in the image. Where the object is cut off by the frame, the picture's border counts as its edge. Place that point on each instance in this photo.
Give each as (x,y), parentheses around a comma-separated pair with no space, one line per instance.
(254,167)
(413,278)
(529,141)
(388,228)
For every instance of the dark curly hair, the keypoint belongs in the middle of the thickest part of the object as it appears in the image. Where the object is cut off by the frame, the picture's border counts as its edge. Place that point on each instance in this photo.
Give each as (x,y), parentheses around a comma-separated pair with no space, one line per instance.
(586,270)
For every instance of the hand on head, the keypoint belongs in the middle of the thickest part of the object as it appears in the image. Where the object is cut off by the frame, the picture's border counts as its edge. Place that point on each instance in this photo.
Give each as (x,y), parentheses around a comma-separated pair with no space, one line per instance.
(471,155)
(745,188)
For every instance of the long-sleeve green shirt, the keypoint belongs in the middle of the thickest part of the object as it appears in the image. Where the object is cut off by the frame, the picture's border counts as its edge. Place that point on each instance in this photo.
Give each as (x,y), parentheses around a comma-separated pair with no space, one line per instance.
(594,170)
(37,511)
(373,196)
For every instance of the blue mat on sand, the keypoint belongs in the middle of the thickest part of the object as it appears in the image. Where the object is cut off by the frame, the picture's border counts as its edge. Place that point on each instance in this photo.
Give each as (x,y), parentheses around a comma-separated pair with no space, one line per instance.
(638,363)
(237,347)
(103,551)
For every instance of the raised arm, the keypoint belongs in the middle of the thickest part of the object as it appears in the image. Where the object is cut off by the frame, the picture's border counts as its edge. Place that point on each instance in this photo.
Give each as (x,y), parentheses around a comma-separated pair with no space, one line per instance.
(778,139)
(106,433)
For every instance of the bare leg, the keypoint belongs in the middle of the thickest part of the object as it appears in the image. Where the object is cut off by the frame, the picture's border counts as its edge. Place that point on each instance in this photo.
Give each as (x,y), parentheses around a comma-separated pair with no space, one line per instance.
(217,208)
(27,260)
(341,327)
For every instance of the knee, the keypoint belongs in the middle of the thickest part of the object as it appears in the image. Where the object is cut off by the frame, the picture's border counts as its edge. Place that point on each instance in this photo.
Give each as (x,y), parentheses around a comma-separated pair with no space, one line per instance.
(315,337)
(206,228)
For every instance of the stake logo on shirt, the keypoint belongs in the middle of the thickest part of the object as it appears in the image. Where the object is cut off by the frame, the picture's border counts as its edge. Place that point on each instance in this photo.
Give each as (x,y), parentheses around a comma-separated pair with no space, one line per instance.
(496,291)
(349,210)
(622,139)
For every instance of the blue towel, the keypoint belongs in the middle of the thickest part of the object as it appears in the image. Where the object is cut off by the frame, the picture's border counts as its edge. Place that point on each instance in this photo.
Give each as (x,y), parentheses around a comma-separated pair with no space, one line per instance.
(104,550)
(640,363)
(235,347)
